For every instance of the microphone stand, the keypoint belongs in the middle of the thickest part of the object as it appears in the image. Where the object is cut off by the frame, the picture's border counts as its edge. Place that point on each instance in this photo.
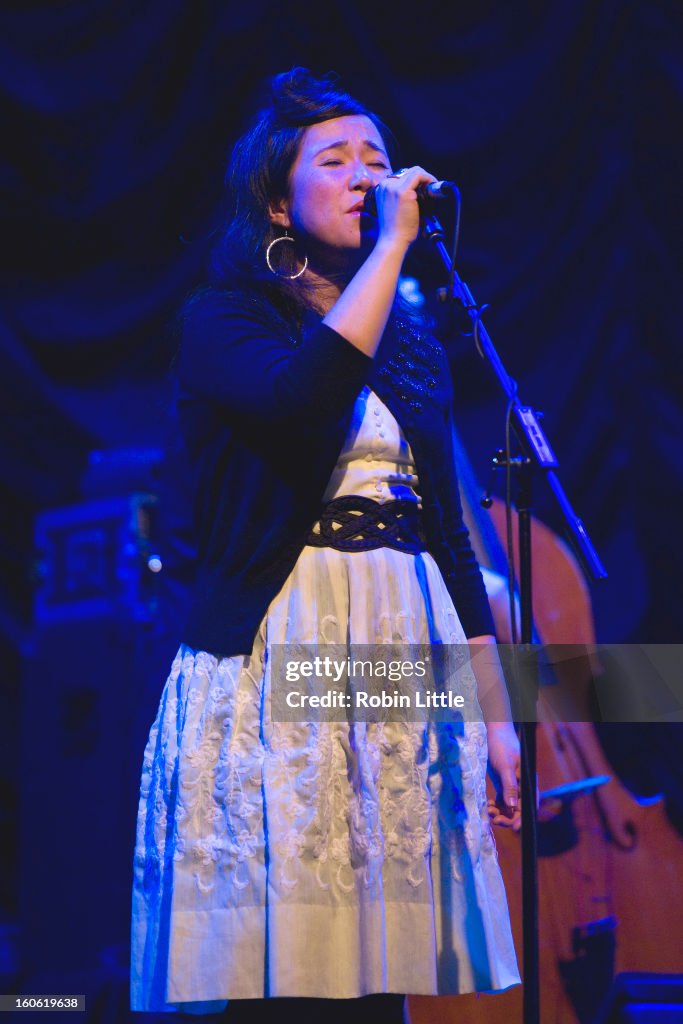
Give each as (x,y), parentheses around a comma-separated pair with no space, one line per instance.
(537,455)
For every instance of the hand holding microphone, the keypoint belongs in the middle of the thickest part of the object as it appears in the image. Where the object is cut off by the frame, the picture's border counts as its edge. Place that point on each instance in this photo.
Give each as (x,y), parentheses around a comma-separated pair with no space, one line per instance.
(432,191)
(399,200)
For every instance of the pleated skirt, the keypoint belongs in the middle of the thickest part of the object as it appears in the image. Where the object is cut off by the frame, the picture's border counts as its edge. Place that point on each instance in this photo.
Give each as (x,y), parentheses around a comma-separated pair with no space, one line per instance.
(320,859)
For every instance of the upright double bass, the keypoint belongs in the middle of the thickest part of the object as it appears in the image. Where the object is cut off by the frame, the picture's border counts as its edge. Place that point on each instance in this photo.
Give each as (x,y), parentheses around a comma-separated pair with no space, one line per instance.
(609,866)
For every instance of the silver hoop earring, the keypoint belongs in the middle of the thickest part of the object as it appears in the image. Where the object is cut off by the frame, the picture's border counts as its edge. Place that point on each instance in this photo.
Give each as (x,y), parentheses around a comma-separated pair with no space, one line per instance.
(271,268)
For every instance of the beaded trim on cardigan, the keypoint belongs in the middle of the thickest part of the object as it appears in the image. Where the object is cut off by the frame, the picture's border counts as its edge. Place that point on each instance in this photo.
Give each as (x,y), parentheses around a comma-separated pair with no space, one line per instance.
(410,371)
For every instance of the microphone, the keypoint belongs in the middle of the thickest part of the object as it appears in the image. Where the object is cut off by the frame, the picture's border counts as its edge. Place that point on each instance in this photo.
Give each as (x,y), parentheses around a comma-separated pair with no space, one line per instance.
(434,190)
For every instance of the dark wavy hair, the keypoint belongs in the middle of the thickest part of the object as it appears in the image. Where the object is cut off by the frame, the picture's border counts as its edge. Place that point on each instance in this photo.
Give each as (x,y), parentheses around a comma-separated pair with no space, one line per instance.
(259,171)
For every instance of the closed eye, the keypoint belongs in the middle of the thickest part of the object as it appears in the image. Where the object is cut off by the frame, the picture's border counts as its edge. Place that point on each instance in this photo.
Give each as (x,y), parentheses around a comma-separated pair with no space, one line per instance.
(374,163)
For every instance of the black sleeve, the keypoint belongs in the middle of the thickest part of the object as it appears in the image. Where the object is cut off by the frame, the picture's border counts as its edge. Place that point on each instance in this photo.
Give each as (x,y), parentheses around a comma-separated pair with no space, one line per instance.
(465,582)
(242,358)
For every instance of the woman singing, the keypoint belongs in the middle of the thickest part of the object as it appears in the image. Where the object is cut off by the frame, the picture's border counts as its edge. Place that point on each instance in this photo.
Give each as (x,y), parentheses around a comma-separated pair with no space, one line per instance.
(326,860)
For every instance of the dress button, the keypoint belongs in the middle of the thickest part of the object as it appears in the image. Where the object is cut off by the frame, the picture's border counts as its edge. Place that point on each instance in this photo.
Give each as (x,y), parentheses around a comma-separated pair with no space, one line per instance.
(376,412)
(382,434)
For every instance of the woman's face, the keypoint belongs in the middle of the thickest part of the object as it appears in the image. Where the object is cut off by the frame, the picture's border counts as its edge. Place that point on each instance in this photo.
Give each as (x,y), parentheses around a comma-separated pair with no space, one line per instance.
(338,161)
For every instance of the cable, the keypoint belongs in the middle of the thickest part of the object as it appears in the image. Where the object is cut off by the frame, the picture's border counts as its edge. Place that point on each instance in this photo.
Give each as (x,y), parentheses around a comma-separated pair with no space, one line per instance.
(456,239)
(508,518)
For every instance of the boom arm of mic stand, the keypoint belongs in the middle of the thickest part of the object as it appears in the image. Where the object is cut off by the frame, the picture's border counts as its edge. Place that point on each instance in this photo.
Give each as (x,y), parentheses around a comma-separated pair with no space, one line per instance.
(527,426)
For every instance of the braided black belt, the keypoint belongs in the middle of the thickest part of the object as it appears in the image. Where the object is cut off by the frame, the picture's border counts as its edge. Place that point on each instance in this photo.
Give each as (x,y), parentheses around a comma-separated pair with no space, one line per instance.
(354,523)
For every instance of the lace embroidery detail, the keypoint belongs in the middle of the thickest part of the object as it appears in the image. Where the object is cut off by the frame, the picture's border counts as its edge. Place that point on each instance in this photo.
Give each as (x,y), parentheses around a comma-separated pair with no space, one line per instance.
(349,800)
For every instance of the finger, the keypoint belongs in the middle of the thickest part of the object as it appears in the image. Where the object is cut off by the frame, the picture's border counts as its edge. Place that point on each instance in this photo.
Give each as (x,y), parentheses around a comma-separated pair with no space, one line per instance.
(407,178)
(510,789)
(503,821)
(416,176)
(505,818)
(499,808)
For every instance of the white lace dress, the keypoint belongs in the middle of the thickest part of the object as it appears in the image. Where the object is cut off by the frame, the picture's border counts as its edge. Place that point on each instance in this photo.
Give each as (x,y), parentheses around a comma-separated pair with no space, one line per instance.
(328,859)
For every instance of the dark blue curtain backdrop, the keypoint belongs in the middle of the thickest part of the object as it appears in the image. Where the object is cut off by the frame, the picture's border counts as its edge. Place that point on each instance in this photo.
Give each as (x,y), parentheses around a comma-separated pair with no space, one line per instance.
(560,121)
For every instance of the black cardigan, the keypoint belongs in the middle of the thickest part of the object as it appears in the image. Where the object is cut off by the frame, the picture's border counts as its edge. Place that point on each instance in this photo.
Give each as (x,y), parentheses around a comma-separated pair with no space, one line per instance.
(264,411)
